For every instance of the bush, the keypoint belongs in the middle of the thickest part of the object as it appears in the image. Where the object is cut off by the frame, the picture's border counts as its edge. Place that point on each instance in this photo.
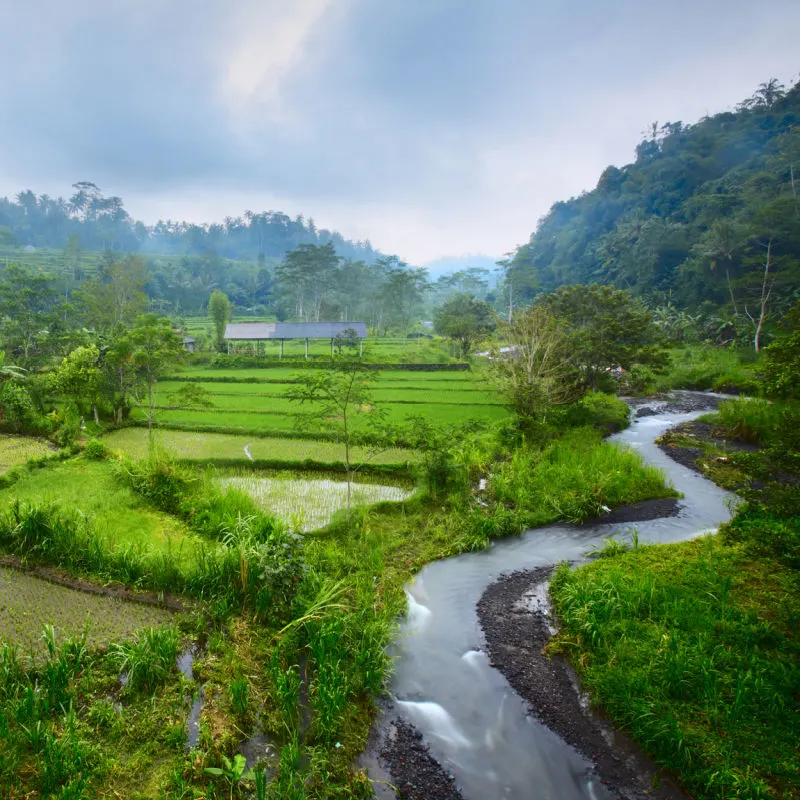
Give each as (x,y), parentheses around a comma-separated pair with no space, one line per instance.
(782,367)
(159,479)
(95,450)
(604,412)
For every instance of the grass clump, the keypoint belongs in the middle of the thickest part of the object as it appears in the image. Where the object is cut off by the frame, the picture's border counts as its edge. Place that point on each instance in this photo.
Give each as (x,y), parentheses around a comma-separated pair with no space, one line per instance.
(575,478)
(606,413)
(704,367)
(700,669)
(148,659)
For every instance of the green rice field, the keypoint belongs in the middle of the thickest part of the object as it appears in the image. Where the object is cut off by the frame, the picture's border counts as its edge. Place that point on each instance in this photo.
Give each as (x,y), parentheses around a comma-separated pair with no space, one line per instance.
(191,445)
(307,501)
(16,450)
(253,401)
(28,603)
(114,510)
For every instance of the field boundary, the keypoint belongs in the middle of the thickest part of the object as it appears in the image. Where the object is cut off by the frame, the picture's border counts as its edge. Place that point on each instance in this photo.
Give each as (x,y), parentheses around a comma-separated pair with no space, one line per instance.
(124,593)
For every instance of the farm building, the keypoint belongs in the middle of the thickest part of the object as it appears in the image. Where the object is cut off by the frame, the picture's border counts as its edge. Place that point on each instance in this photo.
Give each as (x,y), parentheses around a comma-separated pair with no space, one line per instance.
(284,331)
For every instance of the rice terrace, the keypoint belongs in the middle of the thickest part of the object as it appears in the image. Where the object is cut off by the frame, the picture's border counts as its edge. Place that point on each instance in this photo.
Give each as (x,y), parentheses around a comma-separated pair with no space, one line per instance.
(286,517)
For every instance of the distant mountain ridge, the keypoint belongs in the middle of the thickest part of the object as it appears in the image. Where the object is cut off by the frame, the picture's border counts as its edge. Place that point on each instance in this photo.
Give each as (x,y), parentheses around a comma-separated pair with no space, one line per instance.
(692,220)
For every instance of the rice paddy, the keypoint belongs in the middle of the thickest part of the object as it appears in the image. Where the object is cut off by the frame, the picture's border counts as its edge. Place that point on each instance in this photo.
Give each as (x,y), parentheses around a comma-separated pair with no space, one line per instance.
(307,501)
(16,450)
(197,446)
(254,402)
(28,603)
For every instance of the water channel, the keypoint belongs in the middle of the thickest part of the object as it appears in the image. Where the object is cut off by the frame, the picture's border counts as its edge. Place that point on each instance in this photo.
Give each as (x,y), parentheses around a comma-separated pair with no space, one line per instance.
(475,724)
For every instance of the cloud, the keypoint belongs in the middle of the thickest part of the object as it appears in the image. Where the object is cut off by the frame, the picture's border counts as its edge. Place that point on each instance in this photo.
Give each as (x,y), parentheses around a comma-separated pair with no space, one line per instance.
(432,128)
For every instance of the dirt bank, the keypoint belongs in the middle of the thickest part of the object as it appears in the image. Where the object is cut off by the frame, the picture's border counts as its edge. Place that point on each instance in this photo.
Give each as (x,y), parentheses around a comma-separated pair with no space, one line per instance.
(514,615)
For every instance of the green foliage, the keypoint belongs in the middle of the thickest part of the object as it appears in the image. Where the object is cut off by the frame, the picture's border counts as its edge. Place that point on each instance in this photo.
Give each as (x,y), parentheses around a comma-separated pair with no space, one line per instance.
(95,450)
(575,478)
(148,659)
(606,329)
(782,366)
(691,648)
(536,372)
(158,478)
(686,223)
(710,367)
(465,320)
(604,412)
(219,309)
(192,394)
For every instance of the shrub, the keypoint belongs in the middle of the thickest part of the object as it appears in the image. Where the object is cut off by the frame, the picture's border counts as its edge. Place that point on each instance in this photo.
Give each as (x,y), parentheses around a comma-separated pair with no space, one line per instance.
(95,450)
(782,367)
(159,479)
(604,412)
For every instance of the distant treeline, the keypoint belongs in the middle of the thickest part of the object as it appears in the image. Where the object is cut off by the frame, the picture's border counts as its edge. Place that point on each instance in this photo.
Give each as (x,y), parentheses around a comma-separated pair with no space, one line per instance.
(101,223)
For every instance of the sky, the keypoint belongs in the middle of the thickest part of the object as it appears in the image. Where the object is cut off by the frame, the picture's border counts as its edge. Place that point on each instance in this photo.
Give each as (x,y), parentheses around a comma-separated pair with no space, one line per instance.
(434,128)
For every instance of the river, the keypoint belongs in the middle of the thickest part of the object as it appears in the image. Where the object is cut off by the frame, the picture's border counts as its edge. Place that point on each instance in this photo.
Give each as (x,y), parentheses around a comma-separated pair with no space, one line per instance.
(476,725)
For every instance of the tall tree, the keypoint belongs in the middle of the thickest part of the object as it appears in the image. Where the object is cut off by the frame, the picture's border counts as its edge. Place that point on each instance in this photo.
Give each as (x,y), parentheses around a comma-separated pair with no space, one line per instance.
(464,320)
(219,309)
(154,347)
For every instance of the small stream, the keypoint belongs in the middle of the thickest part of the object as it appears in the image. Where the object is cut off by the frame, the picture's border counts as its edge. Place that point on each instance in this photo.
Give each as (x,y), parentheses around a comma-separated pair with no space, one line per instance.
(475,724)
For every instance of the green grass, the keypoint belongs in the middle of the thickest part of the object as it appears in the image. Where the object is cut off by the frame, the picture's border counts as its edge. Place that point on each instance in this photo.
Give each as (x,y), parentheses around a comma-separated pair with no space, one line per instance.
(282,374)
(575,478)
(274,420)
(708,367)
(115,511)
(225,447)
(28,603)
(225,395)
(693,649)
(16,450)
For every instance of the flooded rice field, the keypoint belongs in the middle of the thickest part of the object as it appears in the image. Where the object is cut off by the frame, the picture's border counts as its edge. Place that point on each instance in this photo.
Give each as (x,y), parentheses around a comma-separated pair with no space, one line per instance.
(307,501)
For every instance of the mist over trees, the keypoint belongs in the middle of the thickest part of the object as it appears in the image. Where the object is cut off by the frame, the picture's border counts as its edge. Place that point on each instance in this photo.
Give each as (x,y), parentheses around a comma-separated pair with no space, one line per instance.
(706,218)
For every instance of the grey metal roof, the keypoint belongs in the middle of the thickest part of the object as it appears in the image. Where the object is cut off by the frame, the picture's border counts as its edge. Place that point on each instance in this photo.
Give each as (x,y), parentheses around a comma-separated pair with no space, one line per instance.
(291,330)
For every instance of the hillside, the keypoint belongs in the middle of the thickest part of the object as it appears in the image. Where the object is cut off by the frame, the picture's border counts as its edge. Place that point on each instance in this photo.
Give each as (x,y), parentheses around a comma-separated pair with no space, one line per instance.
(696,219)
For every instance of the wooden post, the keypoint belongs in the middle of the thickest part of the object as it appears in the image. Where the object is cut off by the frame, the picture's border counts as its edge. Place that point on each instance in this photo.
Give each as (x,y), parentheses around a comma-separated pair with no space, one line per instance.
(306,349)
(360,348)
(281,355)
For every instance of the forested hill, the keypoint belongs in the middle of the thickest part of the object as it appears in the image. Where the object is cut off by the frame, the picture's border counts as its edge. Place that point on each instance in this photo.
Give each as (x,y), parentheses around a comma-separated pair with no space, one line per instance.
(93,222)
(695,219)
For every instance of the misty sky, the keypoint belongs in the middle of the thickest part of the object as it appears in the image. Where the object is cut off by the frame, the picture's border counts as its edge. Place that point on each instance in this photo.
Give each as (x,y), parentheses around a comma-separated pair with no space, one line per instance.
(432,127)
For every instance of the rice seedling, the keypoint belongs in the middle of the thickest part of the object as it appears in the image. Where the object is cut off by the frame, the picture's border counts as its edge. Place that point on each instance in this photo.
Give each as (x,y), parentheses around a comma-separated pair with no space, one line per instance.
(27,604)
(306,501)
(190,446)
(16,450)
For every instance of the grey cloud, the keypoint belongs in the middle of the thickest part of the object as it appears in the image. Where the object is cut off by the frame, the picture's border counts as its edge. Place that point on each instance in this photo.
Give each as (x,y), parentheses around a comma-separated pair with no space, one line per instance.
(393,105)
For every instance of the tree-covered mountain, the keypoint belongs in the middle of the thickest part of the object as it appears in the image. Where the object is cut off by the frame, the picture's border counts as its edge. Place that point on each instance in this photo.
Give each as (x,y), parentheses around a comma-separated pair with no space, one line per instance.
(102,223)
(707,217)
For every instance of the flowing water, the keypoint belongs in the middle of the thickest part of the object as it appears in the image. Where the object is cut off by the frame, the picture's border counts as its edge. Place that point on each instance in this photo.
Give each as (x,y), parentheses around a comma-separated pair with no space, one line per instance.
(477,727)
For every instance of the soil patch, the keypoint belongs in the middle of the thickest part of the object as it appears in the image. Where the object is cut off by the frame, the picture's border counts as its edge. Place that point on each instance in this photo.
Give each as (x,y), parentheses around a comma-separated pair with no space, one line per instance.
(57,576)
(638,512)
(415,773)
(515,620)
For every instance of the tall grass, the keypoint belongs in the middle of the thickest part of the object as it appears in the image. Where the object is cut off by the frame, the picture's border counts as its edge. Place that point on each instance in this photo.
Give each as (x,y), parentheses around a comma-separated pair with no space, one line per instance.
(577,477)
(676,646)
(708,367)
